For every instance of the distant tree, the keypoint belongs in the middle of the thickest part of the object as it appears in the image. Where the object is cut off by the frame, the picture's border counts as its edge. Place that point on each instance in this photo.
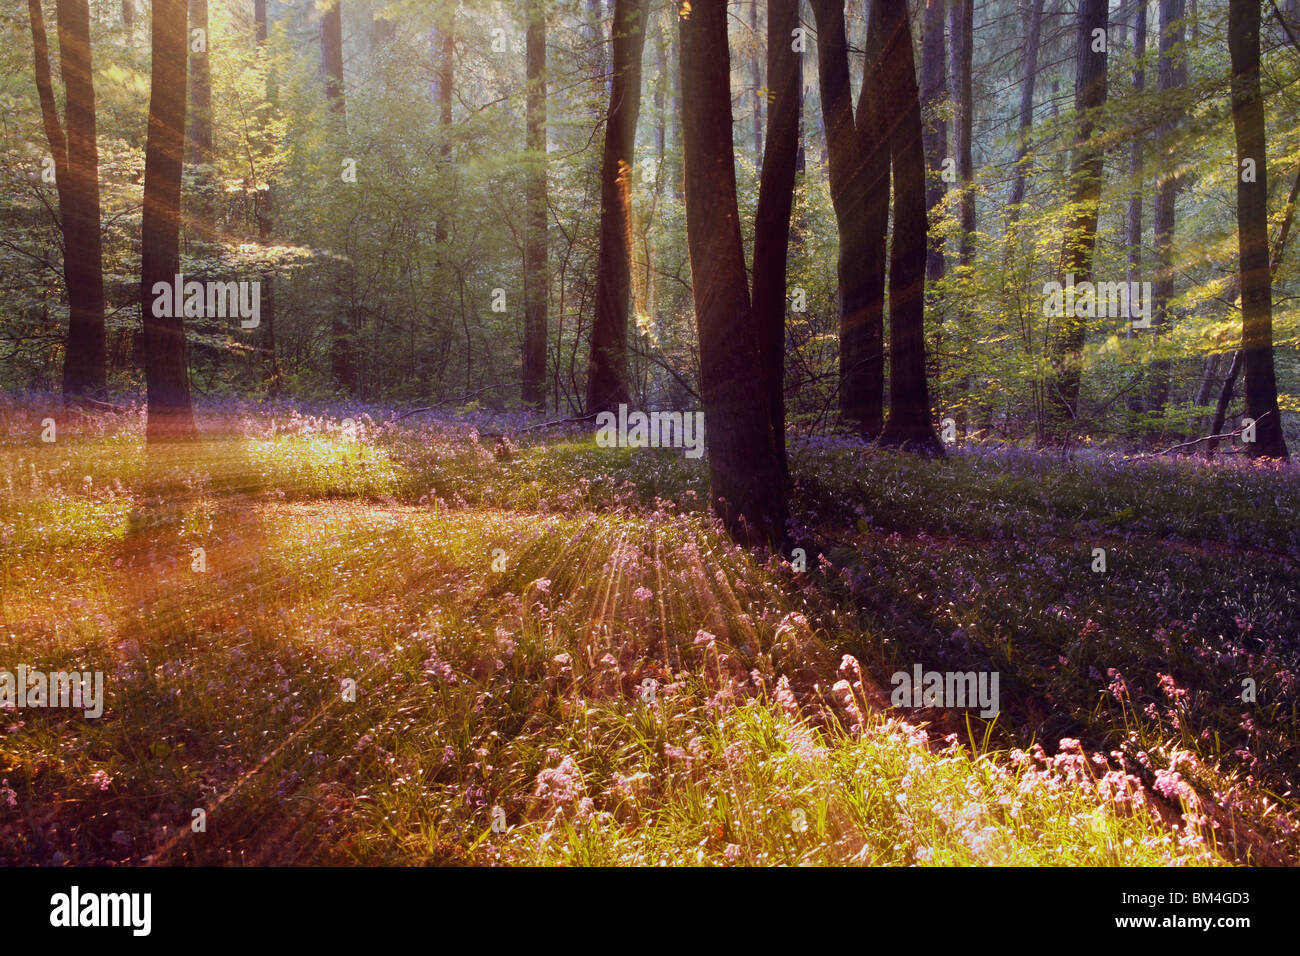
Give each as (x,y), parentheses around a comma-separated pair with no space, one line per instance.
(607,381)
(343,353)
(536,271)
(934,93)
(1086,169)
(747,487)
(166,367)
(76,173)
(201,120)
(1252,231)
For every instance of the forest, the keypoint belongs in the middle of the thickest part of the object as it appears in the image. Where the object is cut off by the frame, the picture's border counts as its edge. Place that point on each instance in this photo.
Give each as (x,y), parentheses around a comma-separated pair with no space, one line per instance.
(649,432)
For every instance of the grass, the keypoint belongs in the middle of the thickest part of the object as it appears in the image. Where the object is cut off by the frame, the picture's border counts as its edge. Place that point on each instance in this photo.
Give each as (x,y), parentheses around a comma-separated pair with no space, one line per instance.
(558,659)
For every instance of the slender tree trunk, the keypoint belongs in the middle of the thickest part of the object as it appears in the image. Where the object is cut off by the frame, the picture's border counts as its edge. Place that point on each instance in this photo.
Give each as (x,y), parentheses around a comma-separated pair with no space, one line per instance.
(607,382)
(201,121)
(1087,166)
(1171,74)
(166,368)
(909,425)
(76,172)
(934,92)
(128,18)
(343,357)
(264,213)
(446,81)
(1026,123)
(960,44)
(756,80)
(745,477)
(536,278)
(1133,224)
(1252,232)
(772,220)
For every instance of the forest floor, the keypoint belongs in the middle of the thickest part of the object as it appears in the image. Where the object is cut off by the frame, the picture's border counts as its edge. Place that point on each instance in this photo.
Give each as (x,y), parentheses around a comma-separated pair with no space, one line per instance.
(404,642)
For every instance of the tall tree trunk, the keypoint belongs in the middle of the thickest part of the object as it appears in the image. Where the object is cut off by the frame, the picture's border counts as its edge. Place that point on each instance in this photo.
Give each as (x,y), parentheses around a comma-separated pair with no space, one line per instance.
(128,18)
(76,172)
(934,91)
(1086,168)
(536,275)
(1026,122)
(858,153)
(264,214)
(201,121)
(166,367)
(1133,223)
(909,425)
(1252,232)
(745,477)
(772,220)
(960,43)
(1171,74)
(343,358)
(756,79)
(607,382)
(446,81)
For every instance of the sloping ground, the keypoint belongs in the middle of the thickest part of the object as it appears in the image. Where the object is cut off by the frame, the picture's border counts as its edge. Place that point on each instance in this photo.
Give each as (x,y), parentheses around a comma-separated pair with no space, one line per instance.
(548,667)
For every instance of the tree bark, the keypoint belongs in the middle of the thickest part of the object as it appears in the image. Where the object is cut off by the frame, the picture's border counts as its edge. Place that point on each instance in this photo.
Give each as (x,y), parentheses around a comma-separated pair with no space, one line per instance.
(1252,232)
(343,358)
(536,274)
(934,91)
(745,478)
(858,154)
(446,81)
(167,380)
(1171,74)
(1087,165)
(608,385)
(960,16)
(909,425)
(201,123)
(76,172)
(1133,222)
(772,220)
(1026,123)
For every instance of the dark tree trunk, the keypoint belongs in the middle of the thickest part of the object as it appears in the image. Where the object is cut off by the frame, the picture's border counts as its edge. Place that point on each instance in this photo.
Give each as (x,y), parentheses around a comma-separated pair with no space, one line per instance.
(756,78)
(343,357)
(772,221)
(745,477)
(959,46)
(607,383)
(1133,226)
(1026,122)
(858,154)
(264,214)
(1252,232)
(536,273)
(201,123)
(76,170)
(1086,167)
(909,425)
(446,79)
(934,93)
(1171,74)
(128,17)
(166,367)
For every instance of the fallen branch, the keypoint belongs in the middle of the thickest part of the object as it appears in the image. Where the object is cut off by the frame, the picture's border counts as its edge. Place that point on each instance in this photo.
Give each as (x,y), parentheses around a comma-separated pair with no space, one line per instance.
(1189,444)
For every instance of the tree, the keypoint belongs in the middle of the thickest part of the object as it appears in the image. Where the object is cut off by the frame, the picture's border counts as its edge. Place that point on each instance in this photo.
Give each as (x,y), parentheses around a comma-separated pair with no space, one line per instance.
(1171,74)
(909,425)
(746,483)
(607,381)
(960,44)
(1252,231)
(76,174)
(536,272)
(772,218)
(201,118)
(1086,167)
(934,88)
(343,358)
(1026,113)
(858,153)
(166,368)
